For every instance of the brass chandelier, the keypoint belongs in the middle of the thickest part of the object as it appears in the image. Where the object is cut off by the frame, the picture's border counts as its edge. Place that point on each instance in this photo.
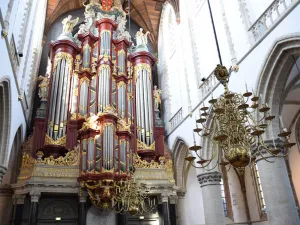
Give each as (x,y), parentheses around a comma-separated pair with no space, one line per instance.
(133,198)
(122,196)
(235,134)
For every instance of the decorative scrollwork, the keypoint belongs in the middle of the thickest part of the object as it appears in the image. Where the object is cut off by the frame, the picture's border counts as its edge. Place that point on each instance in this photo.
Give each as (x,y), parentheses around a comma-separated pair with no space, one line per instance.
(63,55)
(123,126)
(139,163)
(61,141)
(142,146)
(70,159)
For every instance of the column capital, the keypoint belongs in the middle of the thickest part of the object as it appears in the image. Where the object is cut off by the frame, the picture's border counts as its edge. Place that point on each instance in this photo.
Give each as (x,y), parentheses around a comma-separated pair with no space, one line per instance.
(181,195)
(35,195)
(173,199)
(82,196)
(164,197)
(210,178)
(19,199)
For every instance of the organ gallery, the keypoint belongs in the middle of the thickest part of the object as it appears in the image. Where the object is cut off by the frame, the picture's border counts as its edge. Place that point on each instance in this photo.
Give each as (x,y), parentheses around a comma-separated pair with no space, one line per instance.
(98,132)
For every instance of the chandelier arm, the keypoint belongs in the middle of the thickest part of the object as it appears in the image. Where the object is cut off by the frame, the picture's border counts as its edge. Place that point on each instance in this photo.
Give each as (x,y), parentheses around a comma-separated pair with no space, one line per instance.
(266,158)
(206,128)
(283,155)
(198,134)
(199,156)
(229,167)
(199,167)
(217,163)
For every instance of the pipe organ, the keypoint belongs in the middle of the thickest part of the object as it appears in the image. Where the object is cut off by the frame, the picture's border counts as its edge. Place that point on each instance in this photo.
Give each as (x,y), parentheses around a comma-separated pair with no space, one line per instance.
(100,100)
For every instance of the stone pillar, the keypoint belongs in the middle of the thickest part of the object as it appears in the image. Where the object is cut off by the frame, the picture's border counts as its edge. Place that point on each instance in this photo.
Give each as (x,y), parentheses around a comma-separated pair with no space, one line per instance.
(277,191)
(8,12)
(2,173)
(165,209)
(6,204)
(180,208)
(211,191)
(34,206)
(18,209)
(228,34)
(82,209)
(246,19)
(173,211)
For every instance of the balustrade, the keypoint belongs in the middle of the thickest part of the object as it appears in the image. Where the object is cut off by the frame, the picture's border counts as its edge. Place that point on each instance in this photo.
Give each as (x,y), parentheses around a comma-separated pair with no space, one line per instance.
(271,16)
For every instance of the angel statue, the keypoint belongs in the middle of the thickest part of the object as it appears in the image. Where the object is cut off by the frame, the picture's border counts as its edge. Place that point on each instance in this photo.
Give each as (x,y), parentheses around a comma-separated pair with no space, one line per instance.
(157,97)
(69,24)
(44,87)
(141,38)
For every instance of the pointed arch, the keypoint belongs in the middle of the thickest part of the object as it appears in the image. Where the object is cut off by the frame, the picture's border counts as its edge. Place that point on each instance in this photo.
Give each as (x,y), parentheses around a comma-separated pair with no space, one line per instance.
(274,75)
(15,158)
(180,151)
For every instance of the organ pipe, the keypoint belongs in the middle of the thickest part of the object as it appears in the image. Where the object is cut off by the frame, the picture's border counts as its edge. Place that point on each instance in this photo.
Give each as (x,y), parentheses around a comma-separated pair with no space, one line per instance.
(100,97)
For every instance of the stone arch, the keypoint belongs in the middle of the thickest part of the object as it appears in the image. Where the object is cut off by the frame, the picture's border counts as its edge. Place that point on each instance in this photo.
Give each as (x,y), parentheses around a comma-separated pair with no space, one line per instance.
(180,151)
(5,114)
(168,67)
(207,144)
(15,158)
(274,77)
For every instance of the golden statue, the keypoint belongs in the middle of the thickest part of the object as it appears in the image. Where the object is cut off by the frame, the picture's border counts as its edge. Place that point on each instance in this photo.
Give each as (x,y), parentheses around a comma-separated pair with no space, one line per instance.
(78,62)
(44,86)
(157,97)
(94,65)
(69,24)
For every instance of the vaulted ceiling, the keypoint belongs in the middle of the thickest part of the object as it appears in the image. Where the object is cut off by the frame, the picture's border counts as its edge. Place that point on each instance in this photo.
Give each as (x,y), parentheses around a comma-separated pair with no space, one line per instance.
(145,13)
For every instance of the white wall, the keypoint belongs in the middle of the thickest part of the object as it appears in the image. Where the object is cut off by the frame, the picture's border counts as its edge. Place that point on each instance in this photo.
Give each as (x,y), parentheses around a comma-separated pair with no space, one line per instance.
(192,205)
(251,58)
(19,117)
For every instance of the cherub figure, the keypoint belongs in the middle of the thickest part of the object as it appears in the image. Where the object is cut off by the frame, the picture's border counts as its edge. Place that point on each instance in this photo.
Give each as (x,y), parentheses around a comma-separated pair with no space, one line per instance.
(78,62)
(94,65)
(69,24)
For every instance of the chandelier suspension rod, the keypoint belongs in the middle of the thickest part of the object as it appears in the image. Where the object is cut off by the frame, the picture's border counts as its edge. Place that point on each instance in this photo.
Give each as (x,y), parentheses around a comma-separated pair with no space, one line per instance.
(215,33)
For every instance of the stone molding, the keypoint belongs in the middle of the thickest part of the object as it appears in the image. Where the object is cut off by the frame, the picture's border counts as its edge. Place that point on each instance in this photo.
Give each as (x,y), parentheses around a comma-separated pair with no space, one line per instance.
(210,178)
(6,190)
(35,195)
(19,199)
(181,195)
(2,172)
(173,199)
(164,198)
